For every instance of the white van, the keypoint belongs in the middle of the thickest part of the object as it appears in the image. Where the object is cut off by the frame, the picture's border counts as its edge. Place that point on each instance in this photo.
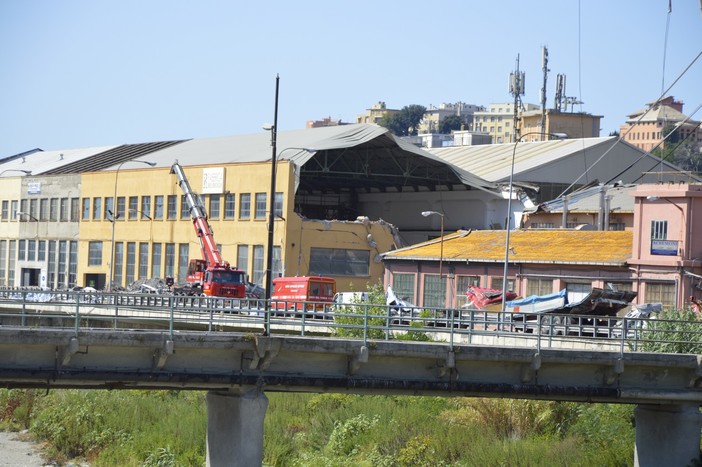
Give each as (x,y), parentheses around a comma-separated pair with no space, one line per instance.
(350,298)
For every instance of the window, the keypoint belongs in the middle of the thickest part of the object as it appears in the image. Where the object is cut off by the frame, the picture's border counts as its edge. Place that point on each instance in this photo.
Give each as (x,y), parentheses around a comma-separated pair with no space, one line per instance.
(3,261)
(109,208)
(258,264)
(229,206)
(242,258)
(22,250)
(146,207)
(31,250)
(659,230)
(133,208)
(617,226)
(75,211)
(97,209)
(158,208)
(403,286)
(94,253)
(121,206)
(339,262)
(245,206)
(53,209)
(172,211)
(278,205)
(63,210)
(23,206)
(625,286)
(156,260)
(34,208)
(462,284)
(73,264)
(41,254)
(539,287)
(660,293)
(51,267)
(131,262)
(496,284)
(119,264)
(276,263)
(11,263)
(6,210)
(213,212)
(170,260)
(260,206)
(434,291)
(143,260)
(182,261)
(184,208)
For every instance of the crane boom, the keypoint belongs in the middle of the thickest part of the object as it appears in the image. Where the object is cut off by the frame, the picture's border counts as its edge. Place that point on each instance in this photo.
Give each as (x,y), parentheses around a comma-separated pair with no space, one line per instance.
(198,213)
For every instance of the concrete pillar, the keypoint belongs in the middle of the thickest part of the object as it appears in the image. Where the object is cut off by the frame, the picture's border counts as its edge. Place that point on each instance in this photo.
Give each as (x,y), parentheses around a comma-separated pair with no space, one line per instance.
(667,435)
(235,427)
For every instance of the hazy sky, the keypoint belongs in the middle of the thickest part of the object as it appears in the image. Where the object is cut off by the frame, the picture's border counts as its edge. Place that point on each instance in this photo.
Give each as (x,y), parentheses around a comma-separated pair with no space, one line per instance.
(79,73)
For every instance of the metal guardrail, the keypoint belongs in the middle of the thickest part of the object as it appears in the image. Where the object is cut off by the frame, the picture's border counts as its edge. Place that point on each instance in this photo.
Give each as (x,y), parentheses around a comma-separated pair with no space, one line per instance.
(88,310)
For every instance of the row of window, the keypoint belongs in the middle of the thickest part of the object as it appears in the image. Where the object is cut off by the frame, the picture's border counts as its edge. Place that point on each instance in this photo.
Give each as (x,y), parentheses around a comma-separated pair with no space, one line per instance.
(434,290)
(40,209)
(144,207)
(176,206)
(60,257)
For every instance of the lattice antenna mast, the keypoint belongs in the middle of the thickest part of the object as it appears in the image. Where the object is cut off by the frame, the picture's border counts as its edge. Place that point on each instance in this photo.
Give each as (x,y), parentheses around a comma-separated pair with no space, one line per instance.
(516,89)
(544,68)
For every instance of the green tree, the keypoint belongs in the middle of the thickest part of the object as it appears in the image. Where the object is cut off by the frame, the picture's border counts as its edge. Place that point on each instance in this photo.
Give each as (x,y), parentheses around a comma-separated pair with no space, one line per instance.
(406,121)
(449,124)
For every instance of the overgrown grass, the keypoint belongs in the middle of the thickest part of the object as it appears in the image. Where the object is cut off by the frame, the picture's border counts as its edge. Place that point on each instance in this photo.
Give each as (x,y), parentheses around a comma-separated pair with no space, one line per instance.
(167,428)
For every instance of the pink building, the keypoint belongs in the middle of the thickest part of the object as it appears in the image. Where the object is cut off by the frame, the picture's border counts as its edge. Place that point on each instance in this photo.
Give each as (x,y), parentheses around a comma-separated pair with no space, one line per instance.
(667,246)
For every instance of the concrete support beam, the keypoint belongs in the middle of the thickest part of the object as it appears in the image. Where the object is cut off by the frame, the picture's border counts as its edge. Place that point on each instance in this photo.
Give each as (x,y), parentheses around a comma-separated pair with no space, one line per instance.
(235,427)
(667,435)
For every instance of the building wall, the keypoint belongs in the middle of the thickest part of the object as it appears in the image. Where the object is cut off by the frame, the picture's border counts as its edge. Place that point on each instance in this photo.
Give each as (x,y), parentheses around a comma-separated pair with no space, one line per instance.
(575,125)
(44,239)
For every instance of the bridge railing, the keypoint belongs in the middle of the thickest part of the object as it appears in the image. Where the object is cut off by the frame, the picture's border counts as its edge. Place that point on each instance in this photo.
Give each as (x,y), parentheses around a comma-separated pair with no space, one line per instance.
(87,310)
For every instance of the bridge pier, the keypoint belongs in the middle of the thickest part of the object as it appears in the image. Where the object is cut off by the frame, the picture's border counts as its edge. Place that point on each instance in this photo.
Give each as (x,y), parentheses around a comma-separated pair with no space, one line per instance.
(667,435)
(235,427)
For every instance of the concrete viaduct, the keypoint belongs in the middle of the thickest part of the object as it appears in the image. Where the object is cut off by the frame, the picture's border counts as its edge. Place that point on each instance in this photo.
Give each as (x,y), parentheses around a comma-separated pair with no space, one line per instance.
(237,368)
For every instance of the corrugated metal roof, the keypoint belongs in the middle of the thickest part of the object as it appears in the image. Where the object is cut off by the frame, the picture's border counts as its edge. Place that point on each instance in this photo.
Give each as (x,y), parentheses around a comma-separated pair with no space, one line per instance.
(354,156)
(110,157)
(529,246)
(558,161)
(588,200)
(42,162)
(494,161)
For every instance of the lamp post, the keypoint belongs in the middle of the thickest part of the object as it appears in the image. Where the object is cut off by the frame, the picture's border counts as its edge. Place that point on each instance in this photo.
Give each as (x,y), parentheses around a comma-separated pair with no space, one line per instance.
(509,208)
(271,214)
(441,248)
(26,172)
(114,219)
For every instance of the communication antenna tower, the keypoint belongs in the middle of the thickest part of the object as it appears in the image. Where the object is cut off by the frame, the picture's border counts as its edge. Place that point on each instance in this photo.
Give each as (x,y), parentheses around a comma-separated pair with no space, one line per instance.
(516,89)
(544,68)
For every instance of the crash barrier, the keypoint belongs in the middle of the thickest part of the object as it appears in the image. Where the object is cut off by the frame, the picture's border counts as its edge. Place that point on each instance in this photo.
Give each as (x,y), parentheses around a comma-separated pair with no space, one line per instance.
(80,309)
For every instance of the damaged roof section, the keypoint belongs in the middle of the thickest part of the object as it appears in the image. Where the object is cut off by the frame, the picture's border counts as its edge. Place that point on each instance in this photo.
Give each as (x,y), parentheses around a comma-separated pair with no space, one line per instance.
(368,158)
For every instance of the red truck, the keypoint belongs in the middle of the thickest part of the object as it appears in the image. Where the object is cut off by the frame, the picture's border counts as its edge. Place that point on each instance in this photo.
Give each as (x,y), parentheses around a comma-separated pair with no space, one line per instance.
(313,293)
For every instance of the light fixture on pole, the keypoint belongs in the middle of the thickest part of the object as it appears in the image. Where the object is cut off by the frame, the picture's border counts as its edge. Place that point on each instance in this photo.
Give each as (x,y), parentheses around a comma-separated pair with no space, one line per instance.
(26,172)
(508,221)
(271,214)
(441,248)
(114,218)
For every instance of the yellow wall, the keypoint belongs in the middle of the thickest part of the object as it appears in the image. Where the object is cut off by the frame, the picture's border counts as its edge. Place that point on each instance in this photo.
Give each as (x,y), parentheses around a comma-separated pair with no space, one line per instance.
(295,235)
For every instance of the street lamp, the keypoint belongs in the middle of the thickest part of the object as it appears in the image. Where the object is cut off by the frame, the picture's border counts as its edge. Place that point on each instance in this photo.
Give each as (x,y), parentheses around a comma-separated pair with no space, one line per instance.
(441,247)
(26,172)
(114,218)
(509,207)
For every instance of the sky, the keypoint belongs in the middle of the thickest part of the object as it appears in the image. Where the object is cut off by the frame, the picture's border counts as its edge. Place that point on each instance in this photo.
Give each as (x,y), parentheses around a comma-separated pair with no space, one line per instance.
(84,73)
